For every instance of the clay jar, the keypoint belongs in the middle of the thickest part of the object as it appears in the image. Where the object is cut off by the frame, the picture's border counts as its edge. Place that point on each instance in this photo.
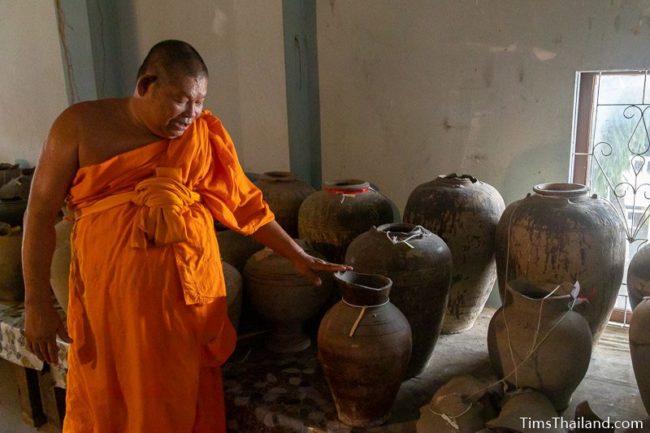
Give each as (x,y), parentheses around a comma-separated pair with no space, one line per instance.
(464,212)
(234,292)
(419,264)
(560,233)
(364,345)
(11,279)
(60,268)
(284,194)
(640,349)
(330,219)
(235,248)
(284,297)
(549,343)
(638,276)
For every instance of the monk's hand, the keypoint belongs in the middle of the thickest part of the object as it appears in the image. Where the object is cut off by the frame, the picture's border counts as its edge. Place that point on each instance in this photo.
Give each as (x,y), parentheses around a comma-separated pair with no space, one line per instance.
(308,266)
(42,325)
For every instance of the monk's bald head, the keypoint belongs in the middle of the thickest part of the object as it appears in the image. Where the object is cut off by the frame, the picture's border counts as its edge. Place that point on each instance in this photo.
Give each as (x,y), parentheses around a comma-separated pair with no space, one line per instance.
(173,58)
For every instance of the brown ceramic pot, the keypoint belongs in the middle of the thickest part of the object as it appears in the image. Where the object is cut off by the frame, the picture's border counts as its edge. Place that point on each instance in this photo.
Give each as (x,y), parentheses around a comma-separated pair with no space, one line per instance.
(548,342)
(330,219)
(560,233)
(284,194)
(640,349)
(234,292)
(18,187)
(284,297)
(638,276)
(464,212)
(364,345)
(235,249)
(60,268)
(11,278)
(419,264)
(520,408)
(8,172)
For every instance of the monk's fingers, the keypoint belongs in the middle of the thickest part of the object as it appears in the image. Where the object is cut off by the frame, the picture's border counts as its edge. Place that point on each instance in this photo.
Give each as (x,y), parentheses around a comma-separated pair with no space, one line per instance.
(37,349)
(63,333)
(322,265)
(52,352)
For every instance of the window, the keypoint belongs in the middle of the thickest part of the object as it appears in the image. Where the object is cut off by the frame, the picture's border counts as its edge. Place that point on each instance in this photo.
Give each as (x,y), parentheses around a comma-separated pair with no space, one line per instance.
(611,152)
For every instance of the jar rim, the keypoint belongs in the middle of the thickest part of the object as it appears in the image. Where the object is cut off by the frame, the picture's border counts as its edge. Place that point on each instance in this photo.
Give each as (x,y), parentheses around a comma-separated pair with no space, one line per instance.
(558,189)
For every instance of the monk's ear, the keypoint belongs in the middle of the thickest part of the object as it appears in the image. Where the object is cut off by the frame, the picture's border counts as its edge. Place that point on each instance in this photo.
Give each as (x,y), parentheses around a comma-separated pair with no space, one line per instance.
(144,84)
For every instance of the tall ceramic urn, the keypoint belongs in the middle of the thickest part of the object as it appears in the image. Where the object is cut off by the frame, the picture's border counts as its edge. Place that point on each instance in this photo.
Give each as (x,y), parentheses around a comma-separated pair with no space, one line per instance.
(464,212)
(638,276)
(537,341)
(284,194)
(561,233)
(419,264)
(364,345)
(640,349)
(330,219)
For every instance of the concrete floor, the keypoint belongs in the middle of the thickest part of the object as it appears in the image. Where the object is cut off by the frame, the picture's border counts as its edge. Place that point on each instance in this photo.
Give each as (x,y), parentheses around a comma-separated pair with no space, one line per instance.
(609,385)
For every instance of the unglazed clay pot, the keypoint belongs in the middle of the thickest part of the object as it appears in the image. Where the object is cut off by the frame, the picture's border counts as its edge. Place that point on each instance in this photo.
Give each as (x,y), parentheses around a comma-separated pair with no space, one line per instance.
(560,233)
(464,212)
(330,219)
(11,278)
(8,172)
(638,276)
(640,349)
(284,297)
(234,292)
(60,268)
(364,345)
(284,194)
(538,333)
(419,264)
(12,211)
(18,187)
(235,249)
(520,408)
(454,408)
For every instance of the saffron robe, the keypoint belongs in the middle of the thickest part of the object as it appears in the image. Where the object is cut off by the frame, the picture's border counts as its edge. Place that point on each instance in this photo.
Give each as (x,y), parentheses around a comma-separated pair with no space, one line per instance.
(147,308)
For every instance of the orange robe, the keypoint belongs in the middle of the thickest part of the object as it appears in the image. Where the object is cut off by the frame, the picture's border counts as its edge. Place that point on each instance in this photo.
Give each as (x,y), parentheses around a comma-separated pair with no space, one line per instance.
(147,308)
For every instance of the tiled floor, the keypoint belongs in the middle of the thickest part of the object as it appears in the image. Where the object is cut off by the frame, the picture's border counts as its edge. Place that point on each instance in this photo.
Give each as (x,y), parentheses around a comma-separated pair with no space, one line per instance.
(609,385)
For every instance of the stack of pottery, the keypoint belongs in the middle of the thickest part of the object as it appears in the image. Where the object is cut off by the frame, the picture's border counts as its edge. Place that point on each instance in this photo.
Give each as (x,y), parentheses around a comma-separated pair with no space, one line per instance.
(364,345)
(638,276)
(11,278)
(284,195)
(419,264)
(537,341)
(464,212)
(560,233)
(284,297)
(13,198)
(640,349)
(330,219)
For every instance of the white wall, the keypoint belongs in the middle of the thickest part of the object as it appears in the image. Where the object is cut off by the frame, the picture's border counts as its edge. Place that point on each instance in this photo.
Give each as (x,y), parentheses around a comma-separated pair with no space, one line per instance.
(32,84)
(242,44)
(410,90)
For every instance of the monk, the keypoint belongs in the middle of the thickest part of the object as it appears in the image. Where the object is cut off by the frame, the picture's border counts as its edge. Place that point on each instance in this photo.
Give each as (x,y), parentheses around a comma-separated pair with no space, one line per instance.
(145,176)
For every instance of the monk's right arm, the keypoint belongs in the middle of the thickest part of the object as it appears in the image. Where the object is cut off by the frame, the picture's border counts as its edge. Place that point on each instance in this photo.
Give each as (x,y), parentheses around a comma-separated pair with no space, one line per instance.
(55,170)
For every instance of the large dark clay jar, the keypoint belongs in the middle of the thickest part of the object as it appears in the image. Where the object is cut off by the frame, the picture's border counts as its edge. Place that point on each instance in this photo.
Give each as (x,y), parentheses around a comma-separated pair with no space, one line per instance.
(364,344)
(284,297)
(284,194)
(419,264)
(640,349)
(330,219)
(235,248)
(464,212)
(638,276)
(536,341)
(560,233)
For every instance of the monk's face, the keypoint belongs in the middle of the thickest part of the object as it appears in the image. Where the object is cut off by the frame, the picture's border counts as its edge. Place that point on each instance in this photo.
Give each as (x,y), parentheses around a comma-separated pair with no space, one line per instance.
(173,103)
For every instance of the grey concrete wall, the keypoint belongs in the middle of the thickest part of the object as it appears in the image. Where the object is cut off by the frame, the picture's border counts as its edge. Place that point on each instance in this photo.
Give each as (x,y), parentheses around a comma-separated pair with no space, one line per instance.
(410,90)
(242,45)
(32,84)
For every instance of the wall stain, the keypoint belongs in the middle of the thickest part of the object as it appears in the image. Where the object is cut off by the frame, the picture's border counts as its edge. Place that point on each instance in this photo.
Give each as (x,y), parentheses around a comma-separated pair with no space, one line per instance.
(446,124)
(332,3)
(557,39)
(521,73)
(617,23)
(590,23)
(488,72)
